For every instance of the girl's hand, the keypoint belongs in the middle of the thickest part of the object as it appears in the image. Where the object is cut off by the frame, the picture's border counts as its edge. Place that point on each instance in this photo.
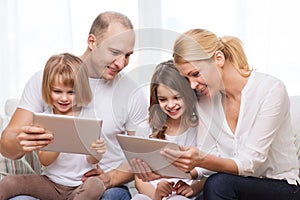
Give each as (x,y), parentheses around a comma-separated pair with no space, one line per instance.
(99,146)
(182,188)
(163,189)
(142,170)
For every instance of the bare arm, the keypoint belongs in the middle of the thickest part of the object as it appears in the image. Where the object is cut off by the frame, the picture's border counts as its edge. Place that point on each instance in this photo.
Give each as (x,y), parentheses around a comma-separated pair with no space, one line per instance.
(119,176)
(188,158)
(46,157)
(115,177)
(19,137)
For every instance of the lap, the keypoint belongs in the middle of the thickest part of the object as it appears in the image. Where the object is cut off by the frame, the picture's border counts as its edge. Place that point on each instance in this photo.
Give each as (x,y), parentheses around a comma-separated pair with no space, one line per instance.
(117,193)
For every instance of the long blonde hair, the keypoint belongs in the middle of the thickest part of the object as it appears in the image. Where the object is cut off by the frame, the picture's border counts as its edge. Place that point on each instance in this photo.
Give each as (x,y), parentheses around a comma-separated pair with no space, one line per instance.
(201,44)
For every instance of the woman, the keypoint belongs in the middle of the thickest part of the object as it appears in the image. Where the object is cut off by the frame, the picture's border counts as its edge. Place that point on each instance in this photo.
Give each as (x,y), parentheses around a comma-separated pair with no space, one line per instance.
(245,131)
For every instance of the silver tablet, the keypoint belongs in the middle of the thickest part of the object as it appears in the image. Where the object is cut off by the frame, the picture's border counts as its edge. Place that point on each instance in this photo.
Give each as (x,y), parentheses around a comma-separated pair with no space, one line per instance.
(148,149)
(71,134)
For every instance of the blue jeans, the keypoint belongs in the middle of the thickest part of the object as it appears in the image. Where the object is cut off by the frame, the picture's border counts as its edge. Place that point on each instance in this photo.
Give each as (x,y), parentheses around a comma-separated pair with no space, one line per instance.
(115,193)
(23,197)
(222,186)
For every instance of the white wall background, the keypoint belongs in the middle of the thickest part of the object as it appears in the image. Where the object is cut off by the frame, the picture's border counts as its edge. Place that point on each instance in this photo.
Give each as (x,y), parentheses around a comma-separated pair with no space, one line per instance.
(33,30)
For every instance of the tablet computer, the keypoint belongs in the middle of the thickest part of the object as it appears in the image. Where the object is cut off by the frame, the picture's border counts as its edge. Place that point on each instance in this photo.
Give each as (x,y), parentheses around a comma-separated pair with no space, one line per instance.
(71,134)
(148,149)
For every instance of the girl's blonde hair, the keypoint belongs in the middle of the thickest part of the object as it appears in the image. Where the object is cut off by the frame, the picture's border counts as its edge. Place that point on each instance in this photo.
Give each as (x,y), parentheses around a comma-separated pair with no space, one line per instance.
(200,44)
(72,73)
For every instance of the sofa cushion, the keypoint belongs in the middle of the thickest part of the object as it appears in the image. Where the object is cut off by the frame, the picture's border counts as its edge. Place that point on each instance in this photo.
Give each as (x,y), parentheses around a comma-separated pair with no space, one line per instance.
(28,164)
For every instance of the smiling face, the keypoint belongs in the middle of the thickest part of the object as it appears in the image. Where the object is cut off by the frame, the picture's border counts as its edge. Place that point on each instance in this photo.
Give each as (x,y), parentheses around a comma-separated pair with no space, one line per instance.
(203,75)
(62,96)
(112,52)
(170,102)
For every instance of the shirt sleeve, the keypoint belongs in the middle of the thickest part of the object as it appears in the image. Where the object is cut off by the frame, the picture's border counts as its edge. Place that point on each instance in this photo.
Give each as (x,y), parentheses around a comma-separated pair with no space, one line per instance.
(137,111)
(32,94)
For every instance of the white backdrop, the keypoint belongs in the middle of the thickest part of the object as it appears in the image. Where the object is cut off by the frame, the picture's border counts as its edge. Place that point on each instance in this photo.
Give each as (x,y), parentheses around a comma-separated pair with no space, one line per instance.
(33,30)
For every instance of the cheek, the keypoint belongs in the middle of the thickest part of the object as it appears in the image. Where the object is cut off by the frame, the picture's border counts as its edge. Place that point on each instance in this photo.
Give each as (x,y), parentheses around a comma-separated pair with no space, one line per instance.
(162,106)
(53,96)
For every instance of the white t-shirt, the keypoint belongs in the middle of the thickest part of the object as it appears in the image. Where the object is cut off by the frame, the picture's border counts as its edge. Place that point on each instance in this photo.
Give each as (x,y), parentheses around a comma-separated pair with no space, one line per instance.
(263,142)
(68,168)
(120,103)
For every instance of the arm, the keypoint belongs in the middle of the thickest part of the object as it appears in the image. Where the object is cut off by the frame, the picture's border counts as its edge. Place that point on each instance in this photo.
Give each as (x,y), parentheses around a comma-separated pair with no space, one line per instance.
(144,187)
(19,137)
(187,158)
(46,157)
(115,177)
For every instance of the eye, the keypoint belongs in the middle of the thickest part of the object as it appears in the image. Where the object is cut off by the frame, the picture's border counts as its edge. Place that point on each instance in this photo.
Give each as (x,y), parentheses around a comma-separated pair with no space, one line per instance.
(161,100)
(178,97)
(56,91)
(115,52)
(71,92)
(196,74)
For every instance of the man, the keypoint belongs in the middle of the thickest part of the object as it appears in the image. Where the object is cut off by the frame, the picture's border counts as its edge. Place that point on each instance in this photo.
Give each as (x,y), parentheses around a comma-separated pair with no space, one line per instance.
(116,101)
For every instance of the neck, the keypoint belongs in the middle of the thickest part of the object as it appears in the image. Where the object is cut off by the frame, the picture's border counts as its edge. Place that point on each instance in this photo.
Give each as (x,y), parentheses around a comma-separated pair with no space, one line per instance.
(234,83)
(175,127)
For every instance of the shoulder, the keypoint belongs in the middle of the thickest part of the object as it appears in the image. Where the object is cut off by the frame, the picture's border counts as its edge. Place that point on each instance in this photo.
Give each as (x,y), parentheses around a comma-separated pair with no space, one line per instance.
(261,83)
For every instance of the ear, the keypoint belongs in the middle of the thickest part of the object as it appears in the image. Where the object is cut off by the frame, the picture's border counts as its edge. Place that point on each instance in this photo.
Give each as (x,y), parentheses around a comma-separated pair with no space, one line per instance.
(219,58)
(92,41)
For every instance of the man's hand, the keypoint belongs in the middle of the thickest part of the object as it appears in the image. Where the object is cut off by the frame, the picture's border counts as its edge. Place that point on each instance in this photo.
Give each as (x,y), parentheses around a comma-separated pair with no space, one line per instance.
(143,171)
(105,177)
(32,138)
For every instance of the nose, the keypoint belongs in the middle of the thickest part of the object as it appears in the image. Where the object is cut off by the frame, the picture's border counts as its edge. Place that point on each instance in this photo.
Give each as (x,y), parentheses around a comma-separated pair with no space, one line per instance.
(121,62)
(64,97)
(171,104)
(194,84)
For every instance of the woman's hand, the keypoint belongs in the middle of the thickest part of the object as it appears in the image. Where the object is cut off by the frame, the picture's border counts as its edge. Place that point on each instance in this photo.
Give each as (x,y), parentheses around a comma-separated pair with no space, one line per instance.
(186,158)
(142,170)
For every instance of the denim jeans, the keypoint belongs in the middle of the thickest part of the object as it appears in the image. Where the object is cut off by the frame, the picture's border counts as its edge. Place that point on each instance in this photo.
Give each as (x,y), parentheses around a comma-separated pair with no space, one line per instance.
(115,193)
(23,197)
(222,186)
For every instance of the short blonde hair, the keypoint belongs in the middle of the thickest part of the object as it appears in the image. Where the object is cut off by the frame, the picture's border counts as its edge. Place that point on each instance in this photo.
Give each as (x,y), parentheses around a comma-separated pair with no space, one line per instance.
(73,74)
(201,44)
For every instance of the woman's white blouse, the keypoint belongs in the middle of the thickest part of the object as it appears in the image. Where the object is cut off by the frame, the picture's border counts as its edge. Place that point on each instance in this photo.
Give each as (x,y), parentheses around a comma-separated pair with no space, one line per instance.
(263,142)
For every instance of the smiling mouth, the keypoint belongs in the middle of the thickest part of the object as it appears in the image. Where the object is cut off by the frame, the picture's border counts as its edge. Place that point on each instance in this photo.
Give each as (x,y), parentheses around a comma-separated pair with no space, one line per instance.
(112,69)
(203,88)
(174,111)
